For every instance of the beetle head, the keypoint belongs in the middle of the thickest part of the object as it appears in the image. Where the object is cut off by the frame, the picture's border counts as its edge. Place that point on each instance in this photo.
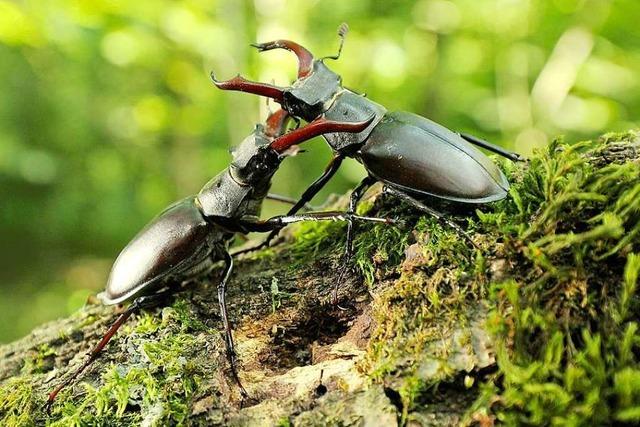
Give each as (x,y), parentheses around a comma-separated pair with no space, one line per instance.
(311,96)
(257,158)
(308,97)
(254,162)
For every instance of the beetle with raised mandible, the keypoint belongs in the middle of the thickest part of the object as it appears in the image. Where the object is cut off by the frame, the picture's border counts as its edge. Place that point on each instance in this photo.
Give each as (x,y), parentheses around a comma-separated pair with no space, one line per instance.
(191,235)
(414,157)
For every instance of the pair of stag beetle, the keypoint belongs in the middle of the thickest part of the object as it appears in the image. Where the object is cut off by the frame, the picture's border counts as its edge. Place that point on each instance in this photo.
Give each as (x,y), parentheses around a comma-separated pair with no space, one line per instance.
(412,156)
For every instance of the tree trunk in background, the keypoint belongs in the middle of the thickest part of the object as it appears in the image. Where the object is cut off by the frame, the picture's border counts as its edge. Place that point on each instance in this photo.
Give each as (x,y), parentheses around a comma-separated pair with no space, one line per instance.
(537,326)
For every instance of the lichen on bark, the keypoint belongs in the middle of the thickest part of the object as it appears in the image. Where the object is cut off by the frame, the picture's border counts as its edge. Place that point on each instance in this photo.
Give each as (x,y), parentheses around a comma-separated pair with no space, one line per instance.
(537,326)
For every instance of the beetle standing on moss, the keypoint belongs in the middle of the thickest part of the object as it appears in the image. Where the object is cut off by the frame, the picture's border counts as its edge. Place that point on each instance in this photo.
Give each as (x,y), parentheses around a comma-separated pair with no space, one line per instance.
(412,156)
(194,233)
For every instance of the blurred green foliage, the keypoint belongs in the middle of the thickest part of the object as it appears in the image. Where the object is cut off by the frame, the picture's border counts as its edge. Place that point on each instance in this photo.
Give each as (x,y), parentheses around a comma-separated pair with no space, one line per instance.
(107,113)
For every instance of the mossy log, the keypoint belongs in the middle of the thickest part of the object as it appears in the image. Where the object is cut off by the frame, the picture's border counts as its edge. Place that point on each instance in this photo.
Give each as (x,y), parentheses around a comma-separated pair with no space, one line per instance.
(536,326)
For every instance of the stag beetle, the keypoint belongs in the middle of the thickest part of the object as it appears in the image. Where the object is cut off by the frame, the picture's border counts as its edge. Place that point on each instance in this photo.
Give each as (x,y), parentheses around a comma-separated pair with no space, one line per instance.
(194,233)
(412,156)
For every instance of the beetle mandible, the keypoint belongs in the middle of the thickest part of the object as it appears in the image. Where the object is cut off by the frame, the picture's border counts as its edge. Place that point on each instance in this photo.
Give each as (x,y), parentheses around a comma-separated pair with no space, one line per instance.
(412,156)
(194,233)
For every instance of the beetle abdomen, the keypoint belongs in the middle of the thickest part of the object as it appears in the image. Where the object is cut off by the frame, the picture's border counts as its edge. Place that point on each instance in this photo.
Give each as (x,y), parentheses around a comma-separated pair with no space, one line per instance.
(419,156)
(171,245)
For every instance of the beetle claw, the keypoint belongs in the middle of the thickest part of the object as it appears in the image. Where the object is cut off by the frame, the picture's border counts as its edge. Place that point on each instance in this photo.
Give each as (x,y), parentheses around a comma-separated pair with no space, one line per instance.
(260,46)
(215,81)
(305,58)
(241,84)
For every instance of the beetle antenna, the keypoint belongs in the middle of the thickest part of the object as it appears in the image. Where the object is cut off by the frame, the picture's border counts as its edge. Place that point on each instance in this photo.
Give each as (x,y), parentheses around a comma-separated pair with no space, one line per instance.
(343,30)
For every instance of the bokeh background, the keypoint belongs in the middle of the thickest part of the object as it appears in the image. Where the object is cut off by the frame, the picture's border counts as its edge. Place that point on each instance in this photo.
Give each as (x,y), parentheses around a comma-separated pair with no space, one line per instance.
(107,113)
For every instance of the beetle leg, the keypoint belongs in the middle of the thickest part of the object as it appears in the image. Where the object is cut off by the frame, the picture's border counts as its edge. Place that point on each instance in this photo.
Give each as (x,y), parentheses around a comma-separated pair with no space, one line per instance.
(231,352)
(280,221)
(318,184)
(514,157)
(356,195)
(258,246)
(306,197)
(434,213)
(136,305)
(287,200)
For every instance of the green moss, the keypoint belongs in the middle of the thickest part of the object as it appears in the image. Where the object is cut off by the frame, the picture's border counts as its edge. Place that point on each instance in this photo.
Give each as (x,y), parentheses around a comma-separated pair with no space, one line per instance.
(148,323)
(16,402)
(39,362)
(563,322)
(89,320)
(188,320)
(381,245)
(573,231)
(149,386)
(556,371)
(179,313)
(283,422)
(155,389)
(313,238)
